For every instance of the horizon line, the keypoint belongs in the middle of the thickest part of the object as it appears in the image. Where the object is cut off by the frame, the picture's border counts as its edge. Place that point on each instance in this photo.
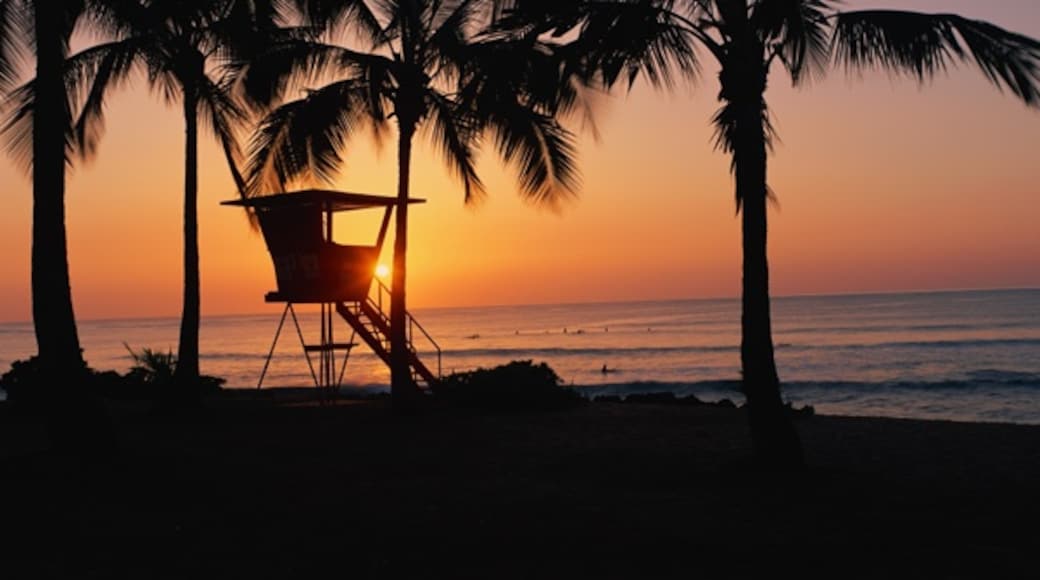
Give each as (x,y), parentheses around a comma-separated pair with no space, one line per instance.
(848,294)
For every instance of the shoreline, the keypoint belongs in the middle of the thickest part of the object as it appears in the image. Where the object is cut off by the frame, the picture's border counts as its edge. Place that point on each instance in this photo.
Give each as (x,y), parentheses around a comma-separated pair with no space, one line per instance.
(369,393)
(289,394)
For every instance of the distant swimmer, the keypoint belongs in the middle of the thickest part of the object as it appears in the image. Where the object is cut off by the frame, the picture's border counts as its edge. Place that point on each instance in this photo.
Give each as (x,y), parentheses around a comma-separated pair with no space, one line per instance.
(473,336)
(606,370)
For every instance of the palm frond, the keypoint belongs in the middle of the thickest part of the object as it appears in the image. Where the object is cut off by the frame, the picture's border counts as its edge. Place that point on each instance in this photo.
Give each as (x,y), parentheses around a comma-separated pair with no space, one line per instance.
(19,114)
(302,139)
(543,152)
(536,17)
(727,125)
(68,14)
(453,22)
(453,133)
(13,27)
(250,26)
(923,44)
(628,40)
(352,15)
(17,129)
(93,73)
(540,74)
(259,14)
(119,19)
(798,32)
(271,73)
(222,115)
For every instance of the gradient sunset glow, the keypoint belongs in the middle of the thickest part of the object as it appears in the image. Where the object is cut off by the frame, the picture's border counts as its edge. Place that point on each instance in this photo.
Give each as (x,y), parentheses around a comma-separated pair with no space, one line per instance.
(882,185)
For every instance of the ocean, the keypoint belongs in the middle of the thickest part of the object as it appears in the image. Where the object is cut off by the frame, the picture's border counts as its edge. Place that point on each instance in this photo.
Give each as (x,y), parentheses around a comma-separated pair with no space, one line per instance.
(965,355)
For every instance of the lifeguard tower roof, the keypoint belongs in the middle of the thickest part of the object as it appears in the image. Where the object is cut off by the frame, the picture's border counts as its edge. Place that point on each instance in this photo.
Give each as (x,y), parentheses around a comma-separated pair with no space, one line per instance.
(326,199)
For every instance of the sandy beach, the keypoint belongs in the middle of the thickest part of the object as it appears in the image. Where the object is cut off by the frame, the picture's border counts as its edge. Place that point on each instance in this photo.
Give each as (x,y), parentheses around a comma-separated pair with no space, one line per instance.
(271,489)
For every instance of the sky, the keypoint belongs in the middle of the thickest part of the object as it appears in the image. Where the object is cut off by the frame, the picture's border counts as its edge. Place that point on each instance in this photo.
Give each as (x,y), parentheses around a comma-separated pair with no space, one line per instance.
(883,185)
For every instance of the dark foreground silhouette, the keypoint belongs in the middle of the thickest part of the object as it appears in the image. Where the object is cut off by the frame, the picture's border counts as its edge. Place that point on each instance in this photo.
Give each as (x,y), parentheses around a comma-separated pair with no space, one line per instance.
(250,489)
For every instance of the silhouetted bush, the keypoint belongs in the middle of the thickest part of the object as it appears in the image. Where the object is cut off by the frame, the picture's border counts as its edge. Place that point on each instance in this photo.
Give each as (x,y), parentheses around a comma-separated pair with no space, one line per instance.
(22,383)
(151,367)
(803,412)
(692,401)
(153,372)
(26,382)
(664,398)
(607,399)
(148,379)
(514,387)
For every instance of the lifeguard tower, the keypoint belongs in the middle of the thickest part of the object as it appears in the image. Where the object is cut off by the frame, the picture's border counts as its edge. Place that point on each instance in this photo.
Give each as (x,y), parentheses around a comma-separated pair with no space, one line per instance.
(310,268)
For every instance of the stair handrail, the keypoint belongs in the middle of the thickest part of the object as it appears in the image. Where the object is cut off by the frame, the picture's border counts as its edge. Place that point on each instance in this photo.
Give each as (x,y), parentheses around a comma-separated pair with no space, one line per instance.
(380,289)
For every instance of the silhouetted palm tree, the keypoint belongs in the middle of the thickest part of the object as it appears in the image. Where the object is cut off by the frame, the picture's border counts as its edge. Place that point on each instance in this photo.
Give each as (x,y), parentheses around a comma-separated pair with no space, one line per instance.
(37,126)
(179,46)
(424,64)
(38,121)
(622,39)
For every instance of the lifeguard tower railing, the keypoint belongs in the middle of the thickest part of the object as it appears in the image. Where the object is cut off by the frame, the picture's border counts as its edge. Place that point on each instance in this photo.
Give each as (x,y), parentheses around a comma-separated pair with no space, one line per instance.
(310,268)
(370,319)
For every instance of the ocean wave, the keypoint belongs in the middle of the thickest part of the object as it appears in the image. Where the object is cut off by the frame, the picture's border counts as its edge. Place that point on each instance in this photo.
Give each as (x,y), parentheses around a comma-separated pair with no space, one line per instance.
(940,385)
(663,386)
(984,379)
(608,351)
(1006,377)
(863,328)
(963,343)
(600,351)
(958,343)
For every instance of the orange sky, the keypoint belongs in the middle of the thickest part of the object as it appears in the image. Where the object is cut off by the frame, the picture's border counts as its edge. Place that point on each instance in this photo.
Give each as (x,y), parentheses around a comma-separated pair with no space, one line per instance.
(883,185)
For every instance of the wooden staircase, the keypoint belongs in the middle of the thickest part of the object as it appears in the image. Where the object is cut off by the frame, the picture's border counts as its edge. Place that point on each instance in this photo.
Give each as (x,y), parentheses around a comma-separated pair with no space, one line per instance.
(370,319)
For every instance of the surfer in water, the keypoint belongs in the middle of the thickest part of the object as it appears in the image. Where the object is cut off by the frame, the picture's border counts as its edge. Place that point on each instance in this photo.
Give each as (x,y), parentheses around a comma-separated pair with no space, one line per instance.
(606,370)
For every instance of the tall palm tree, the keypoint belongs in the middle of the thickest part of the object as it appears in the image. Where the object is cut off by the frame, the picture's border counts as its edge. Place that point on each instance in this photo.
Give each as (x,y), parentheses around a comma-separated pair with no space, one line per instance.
(39,118)
(180,47)
(619,40)
(426,64)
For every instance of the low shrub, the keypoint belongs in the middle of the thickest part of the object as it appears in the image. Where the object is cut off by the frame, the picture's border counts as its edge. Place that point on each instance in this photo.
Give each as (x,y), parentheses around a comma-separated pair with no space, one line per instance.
(25,383)
(151,367)
(514,387)
(664,398)
(153,372)
(803,412)
(22,382)
(149,379)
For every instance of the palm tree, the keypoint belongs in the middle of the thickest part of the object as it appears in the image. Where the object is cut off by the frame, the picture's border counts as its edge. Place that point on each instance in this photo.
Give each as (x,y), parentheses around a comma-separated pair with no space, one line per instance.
(426,65)
(39,118)
(179,46)
(623,39)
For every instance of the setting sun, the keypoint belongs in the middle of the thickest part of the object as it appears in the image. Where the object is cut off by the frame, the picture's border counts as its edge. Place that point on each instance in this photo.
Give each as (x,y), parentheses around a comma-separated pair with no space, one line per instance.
(382,270)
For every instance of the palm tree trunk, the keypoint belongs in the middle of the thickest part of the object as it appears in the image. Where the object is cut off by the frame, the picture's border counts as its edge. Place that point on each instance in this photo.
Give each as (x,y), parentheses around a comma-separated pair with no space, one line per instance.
(53,317)
(76,416)
(775,440)
(186,375)
(402,387)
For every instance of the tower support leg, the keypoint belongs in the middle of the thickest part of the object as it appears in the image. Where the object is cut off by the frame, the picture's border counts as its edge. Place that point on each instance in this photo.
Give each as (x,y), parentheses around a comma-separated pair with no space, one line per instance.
(274,343)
